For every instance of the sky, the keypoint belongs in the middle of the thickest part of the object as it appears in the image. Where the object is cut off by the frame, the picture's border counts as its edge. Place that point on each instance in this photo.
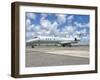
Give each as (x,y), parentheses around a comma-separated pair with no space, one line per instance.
(57,24)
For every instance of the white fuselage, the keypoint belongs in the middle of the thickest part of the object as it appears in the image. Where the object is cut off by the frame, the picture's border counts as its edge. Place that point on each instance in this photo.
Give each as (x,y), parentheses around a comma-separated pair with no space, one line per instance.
(51,40)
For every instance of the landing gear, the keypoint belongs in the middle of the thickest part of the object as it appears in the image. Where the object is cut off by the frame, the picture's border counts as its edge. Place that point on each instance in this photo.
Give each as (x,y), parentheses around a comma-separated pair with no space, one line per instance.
(63,45)
(69,45)
(32,46)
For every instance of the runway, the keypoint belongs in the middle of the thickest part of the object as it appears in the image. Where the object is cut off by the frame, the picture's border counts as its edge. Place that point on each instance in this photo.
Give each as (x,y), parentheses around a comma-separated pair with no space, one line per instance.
(56,56)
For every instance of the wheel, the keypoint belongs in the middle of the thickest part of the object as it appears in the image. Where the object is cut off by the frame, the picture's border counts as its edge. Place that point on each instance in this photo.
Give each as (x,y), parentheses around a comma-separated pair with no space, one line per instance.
(32,46)
(63,45)
(70,45)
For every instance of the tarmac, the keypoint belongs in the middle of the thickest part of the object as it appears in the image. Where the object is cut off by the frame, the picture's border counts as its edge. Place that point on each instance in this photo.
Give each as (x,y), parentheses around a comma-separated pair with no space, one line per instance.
(56,56)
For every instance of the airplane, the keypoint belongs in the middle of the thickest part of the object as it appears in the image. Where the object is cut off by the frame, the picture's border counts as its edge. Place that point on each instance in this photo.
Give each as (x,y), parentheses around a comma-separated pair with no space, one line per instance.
(63,41)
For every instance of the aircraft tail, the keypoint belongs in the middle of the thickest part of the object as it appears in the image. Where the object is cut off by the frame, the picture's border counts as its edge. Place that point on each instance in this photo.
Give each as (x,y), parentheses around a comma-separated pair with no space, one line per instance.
(77,37)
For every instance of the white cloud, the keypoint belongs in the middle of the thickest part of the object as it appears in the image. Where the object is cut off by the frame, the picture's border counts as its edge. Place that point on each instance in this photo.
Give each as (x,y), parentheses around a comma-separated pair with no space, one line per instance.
(45,24)
(61,18)
(69,29)
(31,16)
(54,25)
(85,38)
(77,32)
(53,29)
(32,31)
(37,28)
(48,28)
(44,33)
(81,25)
(28,22)
(45,28)
(29,28)
(84,35)
(30,35)
(83,31)
(43,15)
(70,17)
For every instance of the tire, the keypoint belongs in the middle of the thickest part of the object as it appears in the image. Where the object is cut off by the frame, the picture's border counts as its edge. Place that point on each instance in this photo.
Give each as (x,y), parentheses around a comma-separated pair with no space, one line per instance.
(32,46)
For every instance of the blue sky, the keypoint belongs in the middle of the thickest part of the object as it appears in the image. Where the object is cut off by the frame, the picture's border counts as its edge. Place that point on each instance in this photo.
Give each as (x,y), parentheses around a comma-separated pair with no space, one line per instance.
(48,24)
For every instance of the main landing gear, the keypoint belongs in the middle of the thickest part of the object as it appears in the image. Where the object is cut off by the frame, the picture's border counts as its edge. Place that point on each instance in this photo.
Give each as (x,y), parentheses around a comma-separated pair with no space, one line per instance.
(32,46)
(69,45)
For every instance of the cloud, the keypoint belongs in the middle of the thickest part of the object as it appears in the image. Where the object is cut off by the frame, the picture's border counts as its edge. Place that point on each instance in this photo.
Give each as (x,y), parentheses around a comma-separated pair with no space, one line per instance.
(85,36)
(45,24)
(77,24)
(78,32)
(54,29)
(28,22)
(44,33)
(69,29)
(31,15)
(43,15)
(37,28)
(61,18)
(30,35)
(83,32)
(54,25)
(46,28)
(70,17)
(57,28)
(72,31)
(30,28)
(85,39)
